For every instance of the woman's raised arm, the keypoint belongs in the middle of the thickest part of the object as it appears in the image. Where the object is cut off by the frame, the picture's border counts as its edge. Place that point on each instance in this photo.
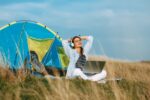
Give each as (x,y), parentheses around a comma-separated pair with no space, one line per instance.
(88,45)
(66,47)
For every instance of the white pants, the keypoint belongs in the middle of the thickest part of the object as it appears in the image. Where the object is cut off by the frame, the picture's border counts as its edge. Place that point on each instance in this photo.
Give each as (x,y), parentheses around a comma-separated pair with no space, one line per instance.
(96,77)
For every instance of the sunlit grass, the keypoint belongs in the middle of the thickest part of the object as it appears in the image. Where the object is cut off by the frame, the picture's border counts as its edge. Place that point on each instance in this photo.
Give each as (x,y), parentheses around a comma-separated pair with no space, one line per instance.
(134,86)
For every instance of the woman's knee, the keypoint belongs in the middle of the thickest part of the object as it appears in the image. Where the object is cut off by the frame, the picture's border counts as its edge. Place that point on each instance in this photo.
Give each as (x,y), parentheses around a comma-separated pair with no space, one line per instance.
(77,71)
(104,73)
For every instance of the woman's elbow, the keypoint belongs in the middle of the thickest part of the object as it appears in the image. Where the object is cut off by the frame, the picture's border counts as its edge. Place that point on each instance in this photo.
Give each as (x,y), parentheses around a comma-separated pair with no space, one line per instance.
(90,37)
(64,43)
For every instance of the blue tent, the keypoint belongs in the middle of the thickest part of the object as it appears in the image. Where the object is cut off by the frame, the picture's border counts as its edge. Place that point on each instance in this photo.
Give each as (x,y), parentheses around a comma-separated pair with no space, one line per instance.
(18,38)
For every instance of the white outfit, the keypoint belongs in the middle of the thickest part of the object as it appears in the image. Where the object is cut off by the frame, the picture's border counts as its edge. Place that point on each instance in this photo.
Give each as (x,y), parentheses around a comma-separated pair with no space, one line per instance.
(72,71)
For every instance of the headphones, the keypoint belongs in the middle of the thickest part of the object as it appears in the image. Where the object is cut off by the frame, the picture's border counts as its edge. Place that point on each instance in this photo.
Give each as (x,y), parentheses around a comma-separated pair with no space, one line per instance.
(72,44)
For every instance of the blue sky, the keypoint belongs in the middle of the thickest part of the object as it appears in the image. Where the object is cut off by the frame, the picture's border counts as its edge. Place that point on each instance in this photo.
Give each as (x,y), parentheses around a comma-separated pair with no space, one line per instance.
(121,28)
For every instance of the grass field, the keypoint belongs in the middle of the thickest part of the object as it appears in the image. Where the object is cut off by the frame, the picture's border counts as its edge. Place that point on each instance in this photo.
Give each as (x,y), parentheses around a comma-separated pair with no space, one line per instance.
(135,84)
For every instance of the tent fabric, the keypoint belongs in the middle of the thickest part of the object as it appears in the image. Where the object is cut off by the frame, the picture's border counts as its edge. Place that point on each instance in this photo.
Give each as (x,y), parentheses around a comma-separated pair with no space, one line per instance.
(53,59)
(19,37)
(37,44)
(63,57)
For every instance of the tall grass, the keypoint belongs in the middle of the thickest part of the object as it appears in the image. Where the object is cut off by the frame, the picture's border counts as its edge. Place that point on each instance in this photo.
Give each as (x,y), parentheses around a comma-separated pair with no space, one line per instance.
(134,86)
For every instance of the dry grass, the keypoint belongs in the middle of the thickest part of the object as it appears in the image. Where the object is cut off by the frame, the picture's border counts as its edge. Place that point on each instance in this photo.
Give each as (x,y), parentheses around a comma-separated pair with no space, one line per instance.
(134,86)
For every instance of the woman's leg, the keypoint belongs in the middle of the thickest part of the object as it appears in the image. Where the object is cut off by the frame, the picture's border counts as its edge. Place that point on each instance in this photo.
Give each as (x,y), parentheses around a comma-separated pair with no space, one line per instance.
(98,76)
(78,72)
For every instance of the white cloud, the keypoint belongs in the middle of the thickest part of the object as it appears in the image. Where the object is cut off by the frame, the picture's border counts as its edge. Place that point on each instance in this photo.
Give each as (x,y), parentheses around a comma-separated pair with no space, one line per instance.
(47,12)
(122,21)
(22,10)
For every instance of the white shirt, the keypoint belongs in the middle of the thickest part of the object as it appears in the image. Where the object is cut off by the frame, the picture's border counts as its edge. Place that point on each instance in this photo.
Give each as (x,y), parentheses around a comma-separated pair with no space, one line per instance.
(74,55)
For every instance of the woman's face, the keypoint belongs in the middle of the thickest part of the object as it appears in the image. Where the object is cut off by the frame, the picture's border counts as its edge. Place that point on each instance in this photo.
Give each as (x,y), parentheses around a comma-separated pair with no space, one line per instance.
(77,43)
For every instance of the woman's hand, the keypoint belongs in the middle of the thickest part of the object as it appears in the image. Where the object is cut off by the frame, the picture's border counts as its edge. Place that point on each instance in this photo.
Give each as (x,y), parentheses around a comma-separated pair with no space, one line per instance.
(84,37)
(69,40)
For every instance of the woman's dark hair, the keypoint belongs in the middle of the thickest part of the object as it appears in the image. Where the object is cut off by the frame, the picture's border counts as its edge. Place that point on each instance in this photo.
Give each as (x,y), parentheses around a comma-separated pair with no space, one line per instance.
(34,56)
(81,48)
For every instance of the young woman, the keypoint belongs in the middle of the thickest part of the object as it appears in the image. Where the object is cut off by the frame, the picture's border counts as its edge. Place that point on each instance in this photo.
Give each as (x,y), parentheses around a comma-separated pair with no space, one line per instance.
(78,56)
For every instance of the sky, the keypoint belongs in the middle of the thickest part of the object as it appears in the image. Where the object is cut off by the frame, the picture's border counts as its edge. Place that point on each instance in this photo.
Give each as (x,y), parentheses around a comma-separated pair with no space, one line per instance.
(121,28)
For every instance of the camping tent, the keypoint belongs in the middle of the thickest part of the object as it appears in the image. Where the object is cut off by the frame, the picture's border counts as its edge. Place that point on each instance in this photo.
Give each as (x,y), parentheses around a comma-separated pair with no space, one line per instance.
(18,38)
